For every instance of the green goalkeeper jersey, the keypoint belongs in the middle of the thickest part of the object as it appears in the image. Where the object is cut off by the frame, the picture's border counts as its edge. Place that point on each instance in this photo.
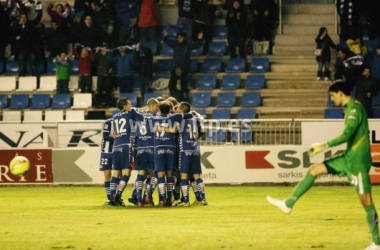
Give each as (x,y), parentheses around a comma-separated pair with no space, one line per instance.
(356,134)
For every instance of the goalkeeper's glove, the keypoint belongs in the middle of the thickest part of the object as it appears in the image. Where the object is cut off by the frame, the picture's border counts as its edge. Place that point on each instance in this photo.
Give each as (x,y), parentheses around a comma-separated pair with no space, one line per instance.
(317,148)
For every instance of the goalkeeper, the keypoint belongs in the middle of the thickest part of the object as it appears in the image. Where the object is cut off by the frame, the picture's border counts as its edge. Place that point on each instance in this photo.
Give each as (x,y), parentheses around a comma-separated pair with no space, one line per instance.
(355,163)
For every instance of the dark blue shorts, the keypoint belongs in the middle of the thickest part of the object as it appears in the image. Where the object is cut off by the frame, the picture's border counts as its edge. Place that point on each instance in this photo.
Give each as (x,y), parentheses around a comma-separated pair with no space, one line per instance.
(144,159)
(105,161)
(164,159)
(122,157)
(190,162)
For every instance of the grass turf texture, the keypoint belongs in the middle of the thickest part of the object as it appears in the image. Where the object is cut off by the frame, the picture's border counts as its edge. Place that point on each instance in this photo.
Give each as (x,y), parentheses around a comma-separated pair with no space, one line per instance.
(236,218)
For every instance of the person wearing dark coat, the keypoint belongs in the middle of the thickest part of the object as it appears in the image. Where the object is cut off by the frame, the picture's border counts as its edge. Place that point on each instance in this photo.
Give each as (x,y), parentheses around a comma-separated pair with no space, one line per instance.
(88,35)
(56,40)
(324,43)
(5,31)
(365,89)
(264,14)
(236,21)
(181,61)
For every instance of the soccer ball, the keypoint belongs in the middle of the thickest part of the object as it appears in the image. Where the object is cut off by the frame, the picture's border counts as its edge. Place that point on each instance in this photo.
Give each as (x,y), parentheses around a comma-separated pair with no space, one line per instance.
(19,166)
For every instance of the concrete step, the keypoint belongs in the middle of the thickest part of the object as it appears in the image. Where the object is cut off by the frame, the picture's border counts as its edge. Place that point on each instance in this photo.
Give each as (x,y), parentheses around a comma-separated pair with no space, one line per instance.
(310,29)
(295,40)
(289,84)
(323,9)
(296,67)
(294,102)
(309,19)
(295,50)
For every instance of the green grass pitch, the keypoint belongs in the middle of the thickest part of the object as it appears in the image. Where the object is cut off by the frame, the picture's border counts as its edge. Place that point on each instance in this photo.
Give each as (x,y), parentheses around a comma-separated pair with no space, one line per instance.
(238,217)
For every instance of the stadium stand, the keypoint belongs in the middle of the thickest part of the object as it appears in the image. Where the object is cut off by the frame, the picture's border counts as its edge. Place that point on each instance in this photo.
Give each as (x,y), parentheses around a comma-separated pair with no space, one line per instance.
(251,99)
(11,116)
(334,114)
(27,83)
(163,66)
(131,96)
(206,82)
(230,82)
(47,83)
(61,101)
(226,99)
(217,48)
(376,100)
(82,100)
(12,68)
(246,114)
(212,65)
(376,113)
(8,84)
(53,115)
(255,82)
(216,135)
(151,45)
(40,101)
(259,65)
(221,114)
(3,101)
(220,31)
(235,65)
(19,101)
(32,116)
(166,50)
(202,99)
(74,115)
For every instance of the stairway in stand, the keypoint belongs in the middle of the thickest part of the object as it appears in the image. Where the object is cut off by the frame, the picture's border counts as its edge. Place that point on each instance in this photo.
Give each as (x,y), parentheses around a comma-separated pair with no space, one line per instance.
(293,63)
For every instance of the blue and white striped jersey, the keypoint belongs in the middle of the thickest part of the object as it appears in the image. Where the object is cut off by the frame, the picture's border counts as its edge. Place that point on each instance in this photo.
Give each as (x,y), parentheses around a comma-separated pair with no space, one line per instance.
(107,139)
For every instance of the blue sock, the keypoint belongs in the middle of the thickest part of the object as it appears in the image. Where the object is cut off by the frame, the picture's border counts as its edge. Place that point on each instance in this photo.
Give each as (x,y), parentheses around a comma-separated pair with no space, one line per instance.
(134,191)
(114,182)
(107,188)
(194,186)
(170,185)
(185,190)
(139,185)
(123,183)
(201,189)
(161,188)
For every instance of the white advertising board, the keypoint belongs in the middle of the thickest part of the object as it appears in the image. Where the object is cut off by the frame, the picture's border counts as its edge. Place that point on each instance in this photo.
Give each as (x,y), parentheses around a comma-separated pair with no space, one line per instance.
(20,135)
(79,134)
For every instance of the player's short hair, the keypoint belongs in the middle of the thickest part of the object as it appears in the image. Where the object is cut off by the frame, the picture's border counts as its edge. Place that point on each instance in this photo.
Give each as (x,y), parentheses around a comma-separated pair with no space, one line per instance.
(172,100)
(121,103)
(185,106)
(160,99)
(165,107)
(152,101)
(339,85)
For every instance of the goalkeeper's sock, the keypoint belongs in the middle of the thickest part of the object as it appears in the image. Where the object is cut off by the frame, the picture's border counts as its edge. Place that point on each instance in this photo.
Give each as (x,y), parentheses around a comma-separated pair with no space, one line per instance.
(373,223)
(123,183)
(300,189)
(114,182)
(107,188)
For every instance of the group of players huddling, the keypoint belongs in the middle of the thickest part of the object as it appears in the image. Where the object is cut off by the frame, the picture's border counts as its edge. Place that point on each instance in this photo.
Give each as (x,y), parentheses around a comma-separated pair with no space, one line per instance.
(162,140)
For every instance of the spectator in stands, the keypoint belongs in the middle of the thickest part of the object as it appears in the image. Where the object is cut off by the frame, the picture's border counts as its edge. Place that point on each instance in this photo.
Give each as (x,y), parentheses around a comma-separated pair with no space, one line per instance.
(125,62)
(85,77)
(127,12)
(14,9)
(60,13)
(324,43)
(88,35)
(375,69)
(228,4)
(357,46)
(181,62)
(56,40)
(62,64)
(349,67)
(264,13)
(104,70)
(205,13)
(6,32)
(236,21)
(146,70)
(25,38)
(186,11)
(365,89)
(101,18)
(148,21)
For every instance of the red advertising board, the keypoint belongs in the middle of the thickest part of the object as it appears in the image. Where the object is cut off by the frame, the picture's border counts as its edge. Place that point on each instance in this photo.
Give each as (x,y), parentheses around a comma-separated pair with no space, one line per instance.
(40,166)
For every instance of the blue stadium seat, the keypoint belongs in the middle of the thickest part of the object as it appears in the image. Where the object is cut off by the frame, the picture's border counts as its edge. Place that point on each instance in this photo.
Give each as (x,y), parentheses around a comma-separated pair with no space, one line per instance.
(255,82)
(371,46)
(147,96)
(334,114)
(3,101)
(376,100)
(136,82)
(245,135)
(151,45)
(216,135)
(376,113)
(74,70)
(166,50)
(330,102)
(212,65)
(206,82)
(220,31)
(50,68)
(40,101)
(251,99)
(221,114)
(2,67)
(197,52)
(230,82)
(61,101)
(246,114)
(343,44)
(132,97)
(193,66)
(201,112)
(173,30)
(19,101)
(163,65)
(226,99)
(235,65)
(41,64)
(217,48)
(260,65)
(201,99)
(12,68)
